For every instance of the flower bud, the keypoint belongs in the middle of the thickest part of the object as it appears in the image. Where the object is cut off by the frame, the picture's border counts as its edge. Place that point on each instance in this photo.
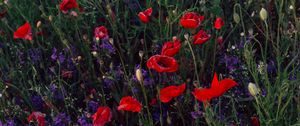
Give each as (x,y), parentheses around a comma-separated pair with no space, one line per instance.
(50,18)
(139,75)
(253,89)
(94,53)
(141,54)
(111,41)
(236,18)
(263,14)
(38,24)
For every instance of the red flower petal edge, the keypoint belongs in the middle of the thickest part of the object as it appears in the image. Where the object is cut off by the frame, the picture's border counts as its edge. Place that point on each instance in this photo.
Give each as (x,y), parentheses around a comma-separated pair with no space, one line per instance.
(145,15)
(38,116)
(171,48)
(217,89)
(162,63)
(129,103)
(201,37)
(23,32)
(102,116)
(168,93)
(66,5)
(191,20)
(100,32)
(219,23)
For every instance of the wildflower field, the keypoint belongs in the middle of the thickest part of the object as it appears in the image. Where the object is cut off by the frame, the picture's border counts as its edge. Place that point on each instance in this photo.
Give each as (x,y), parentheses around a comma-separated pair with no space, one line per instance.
(149,63)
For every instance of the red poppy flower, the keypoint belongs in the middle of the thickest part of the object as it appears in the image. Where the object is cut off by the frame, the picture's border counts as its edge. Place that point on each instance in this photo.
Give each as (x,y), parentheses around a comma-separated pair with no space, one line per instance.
(217,89)
(23,32)
(171,48)
(219,23)
(38,116)
(129,103)
(201,37)
(255,121)
(191,20)
(145,15)
(162,63)
(168,93)
(66,5)
(102,116)
(100,32)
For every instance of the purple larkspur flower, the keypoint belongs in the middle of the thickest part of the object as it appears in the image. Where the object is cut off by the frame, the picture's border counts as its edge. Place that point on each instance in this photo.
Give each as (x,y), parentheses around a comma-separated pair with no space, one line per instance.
(93,106)
(231,62)
(106,45)
(293,76)
(21,57)
(157,113)
(35,54)
(271,68)
(37,102)
(52,87)
(62,119)
(83,121)
(57,55)
(107,82)
(54,54)
(8,123)
(196,114)
(58,94)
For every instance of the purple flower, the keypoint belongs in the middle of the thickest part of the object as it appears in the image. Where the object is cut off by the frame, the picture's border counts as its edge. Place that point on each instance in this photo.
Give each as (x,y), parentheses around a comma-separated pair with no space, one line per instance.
(93,106)
(107,82)
(231,62)
(37,102)
(293,76)
(10,123)
(196,114)
(62,119)
(54,55)
(57,55)
(83,121)
(21,57)
(271,68)
(35,54)
(106,45)
(53,87)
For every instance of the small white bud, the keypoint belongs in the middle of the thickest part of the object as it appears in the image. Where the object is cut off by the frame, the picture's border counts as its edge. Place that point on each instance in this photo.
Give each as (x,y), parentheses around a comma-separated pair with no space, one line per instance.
(263,14)
(139,75)
(254,91)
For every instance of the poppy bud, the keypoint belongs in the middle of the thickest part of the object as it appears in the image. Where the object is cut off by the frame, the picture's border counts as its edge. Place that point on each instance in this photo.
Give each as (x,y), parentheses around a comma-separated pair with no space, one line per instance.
(253,89)
(236,18)
(111,41)
(141,54)
(291,7)
(139,75)
(38,24)
(94,53)
(263,14)
(50,18)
